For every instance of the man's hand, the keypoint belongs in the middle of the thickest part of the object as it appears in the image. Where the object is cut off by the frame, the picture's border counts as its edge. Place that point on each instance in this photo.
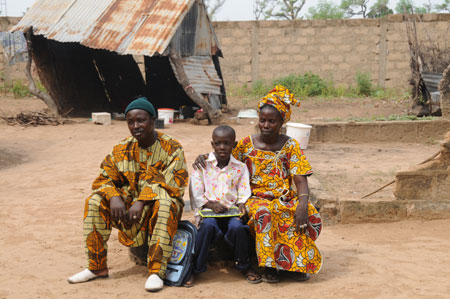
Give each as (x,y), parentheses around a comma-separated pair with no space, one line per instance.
(217,207)
(117,207)
(135,212)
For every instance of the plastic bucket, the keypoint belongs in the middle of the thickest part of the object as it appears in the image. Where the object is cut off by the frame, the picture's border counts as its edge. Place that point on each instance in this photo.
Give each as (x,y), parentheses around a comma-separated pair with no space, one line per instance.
(299,132)
(167,115)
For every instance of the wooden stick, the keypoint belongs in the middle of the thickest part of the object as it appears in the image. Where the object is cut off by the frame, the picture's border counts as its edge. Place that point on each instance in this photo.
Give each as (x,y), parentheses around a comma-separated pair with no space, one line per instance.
(32,85)
(177,66)
(391,182)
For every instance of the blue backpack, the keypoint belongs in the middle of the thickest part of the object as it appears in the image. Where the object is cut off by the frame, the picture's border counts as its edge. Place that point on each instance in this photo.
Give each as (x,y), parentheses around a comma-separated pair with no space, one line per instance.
(181,263)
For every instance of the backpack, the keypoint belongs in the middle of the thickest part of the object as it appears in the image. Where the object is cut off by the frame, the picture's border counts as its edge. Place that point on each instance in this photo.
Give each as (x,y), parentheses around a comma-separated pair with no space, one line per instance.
(181,263)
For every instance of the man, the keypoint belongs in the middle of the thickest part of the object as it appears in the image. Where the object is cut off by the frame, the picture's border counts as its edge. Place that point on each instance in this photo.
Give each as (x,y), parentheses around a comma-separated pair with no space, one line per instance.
(140,192)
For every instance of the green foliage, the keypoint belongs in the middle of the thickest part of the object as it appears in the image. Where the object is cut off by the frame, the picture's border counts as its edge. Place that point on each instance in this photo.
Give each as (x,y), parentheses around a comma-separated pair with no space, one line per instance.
(325,9)
(213,6)
(363,84)
(311,85)
(41,87)
(403,6)
(380,9)
(280,9)
(421,10)
(20,90)
(444,6)
(308,84)
(355,7)
(260,88)
(263,9)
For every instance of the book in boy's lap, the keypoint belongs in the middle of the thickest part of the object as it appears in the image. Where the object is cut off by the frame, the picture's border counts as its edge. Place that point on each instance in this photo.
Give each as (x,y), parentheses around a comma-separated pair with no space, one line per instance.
(208,213)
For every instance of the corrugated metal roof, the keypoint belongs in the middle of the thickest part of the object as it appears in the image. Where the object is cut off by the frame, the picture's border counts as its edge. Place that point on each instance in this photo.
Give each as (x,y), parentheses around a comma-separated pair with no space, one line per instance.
(202,74)
(137,27)
(432,80)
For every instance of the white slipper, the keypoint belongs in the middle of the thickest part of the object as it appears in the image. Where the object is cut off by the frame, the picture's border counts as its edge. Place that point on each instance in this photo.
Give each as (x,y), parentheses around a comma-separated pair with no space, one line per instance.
(84,276)
(154,283)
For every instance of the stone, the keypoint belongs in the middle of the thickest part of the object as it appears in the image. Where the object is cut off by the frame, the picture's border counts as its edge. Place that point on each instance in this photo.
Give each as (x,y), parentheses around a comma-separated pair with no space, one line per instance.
(101,118)
(203,122)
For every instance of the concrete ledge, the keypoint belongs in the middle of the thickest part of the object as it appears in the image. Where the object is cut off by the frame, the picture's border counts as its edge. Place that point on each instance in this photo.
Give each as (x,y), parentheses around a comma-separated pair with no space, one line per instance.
(430,185)
(359,211)
(381,131)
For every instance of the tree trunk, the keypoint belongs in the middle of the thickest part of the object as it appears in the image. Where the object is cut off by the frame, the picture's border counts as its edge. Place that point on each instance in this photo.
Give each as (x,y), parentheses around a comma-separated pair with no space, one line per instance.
(32,86)
(177,66)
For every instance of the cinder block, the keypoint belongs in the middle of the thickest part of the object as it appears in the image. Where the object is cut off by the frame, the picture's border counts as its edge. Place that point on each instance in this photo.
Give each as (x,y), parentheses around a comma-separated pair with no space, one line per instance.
(101,118)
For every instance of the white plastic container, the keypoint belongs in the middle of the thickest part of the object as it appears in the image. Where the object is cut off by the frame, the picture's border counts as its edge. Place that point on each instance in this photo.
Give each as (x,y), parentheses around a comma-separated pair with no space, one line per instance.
(299,132)
(167,114)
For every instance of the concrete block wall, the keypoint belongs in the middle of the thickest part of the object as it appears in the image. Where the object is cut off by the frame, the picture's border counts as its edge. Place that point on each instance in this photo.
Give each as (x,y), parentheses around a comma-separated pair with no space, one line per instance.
(334,49)
(444,88)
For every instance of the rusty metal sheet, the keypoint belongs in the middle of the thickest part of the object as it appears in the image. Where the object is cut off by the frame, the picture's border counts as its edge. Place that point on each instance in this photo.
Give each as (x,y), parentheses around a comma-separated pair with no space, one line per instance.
(431,80)
(202,74)
(138,27)
(78,20)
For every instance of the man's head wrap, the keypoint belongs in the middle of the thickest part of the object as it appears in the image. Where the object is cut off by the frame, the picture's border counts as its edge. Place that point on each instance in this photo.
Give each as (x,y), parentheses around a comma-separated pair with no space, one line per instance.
(281,99)
(143,104)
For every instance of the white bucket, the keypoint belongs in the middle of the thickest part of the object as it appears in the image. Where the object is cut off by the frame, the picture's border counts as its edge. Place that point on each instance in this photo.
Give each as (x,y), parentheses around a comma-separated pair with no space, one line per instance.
(299,132)
(167,114)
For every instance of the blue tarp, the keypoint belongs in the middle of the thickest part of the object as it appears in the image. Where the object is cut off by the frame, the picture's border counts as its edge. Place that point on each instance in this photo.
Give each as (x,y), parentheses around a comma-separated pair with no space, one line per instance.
(14,46)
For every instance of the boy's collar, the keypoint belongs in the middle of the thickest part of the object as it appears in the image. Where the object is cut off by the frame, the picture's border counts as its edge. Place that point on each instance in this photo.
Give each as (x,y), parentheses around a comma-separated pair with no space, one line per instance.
(212,158)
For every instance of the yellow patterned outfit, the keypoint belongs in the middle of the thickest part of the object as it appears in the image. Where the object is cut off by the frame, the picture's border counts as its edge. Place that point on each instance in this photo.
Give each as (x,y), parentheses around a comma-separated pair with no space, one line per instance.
(273,203)
(156,175)
(272,206)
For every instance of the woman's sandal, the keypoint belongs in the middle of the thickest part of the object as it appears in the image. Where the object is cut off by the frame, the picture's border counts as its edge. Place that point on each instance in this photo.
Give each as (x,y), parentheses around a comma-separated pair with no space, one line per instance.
(252,276)
(190,282)
(270,275)
(299,276)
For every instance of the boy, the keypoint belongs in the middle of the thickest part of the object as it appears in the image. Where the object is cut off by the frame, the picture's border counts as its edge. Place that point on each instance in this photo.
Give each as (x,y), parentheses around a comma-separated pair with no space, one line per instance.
(223,184)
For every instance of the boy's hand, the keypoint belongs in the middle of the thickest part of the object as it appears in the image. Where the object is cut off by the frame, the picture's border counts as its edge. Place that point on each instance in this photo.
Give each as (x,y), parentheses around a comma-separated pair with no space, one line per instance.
(217,207)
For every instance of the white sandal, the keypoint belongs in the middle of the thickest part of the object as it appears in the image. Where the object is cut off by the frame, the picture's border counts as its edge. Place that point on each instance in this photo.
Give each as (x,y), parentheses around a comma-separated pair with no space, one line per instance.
(154,283)
(84,276)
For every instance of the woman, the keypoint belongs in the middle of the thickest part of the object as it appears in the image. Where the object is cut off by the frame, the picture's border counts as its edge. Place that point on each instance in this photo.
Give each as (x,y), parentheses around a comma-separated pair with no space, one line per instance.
(283,220)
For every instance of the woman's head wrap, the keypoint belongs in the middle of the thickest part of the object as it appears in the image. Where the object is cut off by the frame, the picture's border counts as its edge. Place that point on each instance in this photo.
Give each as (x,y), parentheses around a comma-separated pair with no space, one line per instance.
(143,104)
(281,99)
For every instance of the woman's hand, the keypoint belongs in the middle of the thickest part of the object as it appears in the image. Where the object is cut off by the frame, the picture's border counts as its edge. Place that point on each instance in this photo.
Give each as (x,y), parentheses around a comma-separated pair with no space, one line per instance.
(301,213)
(200,161)
(242,210)
(117,207)
(135,212)
(301,217)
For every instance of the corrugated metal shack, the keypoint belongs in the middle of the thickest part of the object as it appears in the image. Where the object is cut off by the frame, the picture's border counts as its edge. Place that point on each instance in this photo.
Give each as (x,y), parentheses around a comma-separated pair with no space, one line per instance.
(85,52)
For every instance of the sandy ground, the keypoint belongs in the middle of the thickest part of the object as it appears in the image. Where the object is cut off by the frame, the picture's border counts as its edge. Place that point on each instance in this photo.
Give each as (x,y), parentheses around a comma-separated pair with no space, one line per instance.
(47,172)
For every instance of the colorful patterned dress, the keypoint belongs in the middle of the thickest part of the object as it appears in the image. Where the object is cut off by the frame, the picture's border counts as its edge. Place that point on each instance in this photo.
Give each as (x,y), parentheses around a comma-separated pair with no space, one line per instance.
(157,175)
(272,206)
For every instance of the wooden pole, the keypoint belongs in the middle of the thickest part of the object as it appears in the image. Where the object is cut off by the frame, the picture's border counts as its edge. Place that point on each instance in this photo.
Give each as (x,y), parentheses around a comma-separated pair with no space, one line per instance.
(177,66)
(32,86)
(391,182)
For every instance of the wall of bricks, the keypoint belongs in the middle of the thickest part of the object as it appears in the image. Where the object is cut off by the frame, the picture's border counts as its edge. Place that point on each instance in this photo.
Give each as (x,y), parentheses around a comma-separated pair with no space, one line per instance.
(334,49)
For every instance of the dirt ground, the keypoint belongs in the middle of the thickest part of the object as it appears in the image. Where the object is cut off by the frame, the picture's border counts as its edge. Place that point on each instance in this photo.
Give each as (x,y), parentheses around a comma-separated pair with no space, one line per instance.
(47,172)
